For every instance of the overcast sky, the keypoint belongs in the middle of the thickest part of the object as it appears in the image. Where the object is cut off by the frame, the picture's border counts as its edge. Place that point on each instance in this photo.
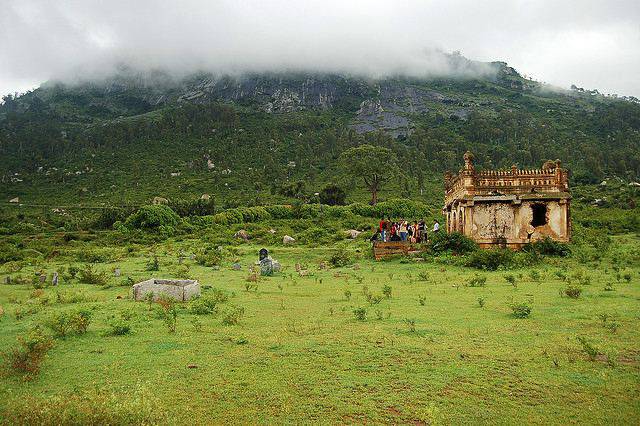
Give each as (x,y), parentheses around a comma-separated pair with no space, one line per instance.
(590,43)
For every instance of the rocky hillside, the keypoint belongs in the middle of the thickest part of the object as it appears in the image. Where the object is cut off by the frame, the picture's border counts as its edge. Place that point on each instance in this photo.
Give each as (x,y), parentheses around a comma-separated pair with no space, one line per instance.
(262,133)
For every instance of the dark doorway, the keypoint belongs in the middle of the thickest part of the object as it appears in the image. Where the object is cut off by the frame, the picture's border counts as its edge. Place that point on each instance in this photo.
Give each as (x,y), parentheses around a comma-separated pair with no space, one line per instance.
(539,215)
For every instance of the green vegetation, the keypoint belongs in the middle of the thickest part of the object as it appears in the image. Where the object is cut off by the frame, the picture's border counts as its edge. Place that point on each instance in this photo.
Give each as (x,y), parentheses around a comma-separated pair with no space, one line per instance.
(433,321)
(334,337)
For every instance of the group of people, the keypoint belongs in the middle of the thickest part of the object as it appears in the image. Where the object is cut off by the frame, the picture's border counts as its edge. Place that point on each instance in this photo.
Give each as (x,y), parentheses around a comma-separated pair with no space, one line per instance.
(403,230)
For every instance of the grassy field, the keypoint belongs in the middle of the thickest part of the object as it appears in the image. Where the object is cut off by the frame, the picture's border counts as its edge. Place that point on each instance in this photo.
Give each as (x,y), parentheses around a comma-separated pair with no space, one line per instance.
(438,350)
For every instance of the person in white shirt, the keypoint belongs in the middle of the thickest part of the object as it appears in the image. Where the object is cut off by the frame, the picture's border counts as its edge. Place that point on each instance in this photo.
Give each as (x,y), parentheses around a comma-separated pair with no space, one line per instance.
(436,226)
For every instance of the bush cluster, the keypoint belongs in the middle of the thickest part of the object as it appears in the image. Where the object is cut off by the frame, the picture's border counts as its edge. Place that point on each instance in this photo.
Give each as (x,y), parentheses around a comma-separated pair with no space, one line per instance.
(209,256)
(341,257)
(27,357)
(153,217)
(491,260)
(455,242)
(548,247)
(62,323)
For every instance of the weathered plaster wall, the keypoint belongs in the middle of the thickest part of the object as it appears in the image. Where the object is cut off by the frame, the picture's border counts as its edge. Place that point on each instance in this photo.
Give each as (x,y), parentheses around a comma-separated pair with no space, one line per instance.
(490,221)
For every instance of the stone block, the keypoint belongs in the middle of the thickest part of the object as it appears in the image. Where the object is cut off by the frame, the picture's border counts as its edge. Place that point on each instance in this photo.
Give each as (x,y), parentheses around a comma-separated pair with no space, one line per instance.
(179,290)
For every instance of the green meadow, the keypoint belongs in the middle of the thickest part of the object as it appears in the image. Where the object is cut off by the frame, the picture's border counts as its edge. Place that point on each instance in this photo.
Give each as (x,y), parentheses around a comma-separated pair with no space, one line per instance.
(419,340)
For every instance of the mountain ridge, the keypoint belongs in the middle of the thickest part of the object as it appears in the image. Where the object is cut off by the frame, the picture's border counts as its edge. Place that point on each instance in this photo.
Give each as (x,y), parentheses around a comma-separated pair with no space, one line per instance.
(78,133)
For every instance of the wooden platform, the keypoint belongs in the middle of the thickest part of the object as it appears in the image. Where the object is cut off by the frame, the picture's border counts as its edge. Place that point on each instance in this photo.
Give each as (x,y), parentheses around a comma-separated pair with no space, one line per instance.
(390,248)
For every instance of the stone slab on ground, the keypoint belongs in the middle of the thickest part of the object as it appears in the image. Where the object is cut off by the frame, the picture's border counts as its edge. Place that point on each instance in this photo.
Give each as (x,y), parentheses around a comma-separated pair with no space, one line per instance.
(180,290)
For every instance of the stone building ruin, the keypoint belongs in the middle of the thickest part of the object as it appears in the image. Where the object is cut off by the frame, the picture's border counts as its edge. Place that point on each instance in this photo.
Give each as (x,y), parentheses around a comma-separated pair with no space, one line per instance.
(508,208)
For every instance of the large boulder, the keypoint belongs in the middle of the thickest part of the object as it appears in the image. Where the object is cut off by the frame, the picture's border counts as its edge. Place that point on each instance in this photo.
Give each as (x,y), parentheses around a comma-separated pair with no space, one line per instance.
(288,240)
(179,290)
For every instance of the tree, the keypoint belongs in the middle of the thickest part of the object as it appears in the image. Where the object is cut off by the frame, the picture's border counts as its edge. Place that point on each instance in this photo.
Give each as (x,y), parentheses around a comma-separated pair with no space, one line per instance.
(332,195)
(375,165)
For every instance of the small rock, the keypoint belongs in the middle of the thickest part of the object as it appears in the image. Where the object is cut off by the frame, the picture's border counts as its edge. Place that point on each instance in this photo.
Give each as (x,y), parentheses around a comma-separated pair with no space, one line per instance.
(236,266)
(205,197)
(116,272)
(159,200)
(15,200)
(272,231)
(352,233)
(288,239)
(603,183)
(241,234)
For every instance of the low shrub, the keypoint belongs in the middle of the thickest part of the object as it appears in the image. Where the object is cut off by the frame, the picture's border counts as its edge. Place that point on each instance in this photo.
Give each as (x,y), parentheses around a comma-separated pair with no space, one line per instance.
(80,320)
(24,311)
(153,217)
(168,312)
(411,324)
(549,247)
(59,323)
(118,327)
(386,291)
(280,212)
(27,357)
(347,294)
(218,296)
(153,264)
(96,256)
(232,315)
(511,279)
(193,207)
(341,257)
(588,348)
(88,275)
(477,281)
(455,242)
(317,235)
(491,260)
(572,291)
(520,309)
(210,256)
(204,305)
(360,313)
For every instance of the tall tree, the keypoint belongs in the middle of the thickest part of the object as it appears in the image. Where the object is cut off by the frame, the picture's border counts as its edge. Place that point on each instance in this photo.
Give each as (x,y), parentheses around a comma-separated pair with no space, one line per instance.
(375,165)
